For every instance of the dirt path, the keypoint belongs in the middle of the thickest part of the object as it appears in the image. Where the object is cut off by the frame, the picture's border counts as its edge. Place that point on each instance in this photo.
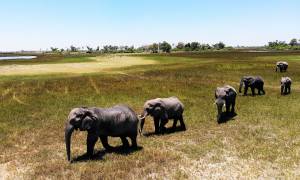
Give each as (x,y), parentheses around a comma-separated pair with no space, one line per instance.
(101,64)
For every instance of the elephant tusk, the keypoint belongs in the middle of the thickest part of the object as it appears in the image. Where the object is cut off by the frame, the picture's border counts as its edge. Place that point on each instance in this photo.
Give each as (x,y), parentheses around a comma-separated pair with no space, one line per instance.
(141,117)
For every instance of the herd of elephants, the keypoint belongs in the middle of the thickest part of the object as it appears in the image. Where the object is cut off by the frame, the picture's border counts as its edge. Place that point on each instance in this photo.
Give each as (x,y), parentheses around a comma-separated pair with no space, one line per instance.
(121,121)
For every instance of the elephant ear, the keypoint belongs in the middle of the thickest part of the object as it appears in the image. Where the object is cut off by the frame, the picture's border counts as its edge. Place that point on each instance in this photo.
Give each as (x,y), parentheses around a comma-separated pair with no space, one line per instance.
(89,120)
(160,110)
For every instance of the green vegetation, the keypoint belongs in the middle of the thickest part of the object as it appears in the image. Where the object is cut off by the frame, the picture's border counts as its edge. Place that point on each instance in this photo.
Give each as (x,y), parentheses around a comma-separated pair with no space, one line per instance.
(262,141)
(282,45)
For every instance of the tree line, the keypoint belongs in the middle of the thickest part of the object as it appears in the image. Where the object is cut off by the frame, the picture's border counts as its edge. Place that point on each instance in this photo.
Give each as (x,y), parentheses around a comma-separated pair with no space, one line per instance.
(163,47)
(294,44)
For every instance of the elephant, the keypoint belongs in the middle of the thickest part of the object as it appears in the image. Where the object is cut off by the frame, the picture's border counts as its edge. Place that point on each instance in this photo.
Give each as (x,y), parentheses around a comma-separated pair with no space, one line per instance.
(225,96)
(282,65)
(286,83)
(254,82)
(163,109)
(118,121)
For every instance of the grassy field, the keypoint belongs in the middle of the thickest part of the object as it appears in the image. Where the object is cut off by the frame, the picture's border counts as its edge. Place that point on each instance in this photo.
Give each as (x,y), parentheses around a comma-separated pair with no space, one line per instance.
(262,141)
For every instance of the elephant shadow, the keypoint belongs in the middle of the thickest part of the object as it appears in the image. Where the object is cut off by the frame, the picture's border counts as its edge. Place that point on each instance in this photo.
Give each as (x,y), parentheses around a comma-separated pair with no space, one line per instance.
(169,130)
(225,117)
(98,155)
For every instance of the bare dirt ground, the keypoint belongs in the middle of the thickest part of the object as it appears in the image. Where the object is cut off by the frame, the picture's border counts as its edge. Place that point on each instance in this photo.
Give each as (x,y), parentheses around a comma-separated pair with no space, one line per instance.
(101,64)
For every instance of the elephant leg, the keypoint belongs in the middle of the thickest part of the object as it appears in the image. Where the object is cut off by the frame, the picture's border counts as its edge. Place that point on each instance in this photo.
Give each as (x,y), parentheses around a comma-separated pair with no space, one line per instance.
(227,107)
(285,90)
(90,142)
(182,125)
(156,125)
(104,142)
(281,91)
(262,89)
(125,142)
(133,141)
(245,90)
(232,107)
(162,127)
(253,91)
(174,123)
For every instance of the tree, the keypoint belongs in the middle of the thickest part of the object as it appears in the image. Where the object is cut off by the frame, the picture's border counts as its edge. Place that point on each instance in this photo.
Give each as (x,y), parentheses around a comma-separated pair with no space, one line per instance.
(89,49)
(53,49)
(165,47)
(153,48)
(73,49)
(128,49)
(277,45)
(219,45)
(293,42)
(205,46)
(194,46)
(187,47)
(180,46)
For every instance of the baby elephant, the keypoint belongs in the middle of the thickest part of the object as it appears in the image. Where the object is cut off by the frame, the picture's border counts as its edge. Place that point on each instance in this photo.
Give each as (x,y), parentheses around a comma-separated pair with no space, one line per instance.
(163,109)
(282,66)
(118,121)
(225,96)
(286,83)
(254,82)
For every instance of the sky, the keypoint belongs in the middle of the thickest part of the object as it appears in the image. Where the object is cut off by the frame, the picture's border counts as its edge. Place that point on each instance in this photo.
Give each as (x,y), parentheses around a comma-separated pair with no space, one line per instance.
(41,24)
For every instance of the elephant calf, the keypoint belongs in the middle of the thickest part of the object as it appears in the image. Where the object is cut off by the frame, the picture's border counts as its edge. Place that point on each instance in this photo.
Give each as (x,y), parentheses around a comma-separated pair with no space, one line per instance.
(163,109)
(282,66)
(225,96)
(254,82)
(286,83)
(118,121)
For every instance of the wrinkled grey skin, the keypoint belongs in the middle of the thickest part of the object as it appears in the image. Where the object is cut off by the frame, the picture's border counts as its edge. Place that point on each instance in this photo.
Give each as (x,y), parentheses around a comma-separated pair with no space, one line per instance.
(225,96)
(254,82)
(163,109)
(285,84)
(118,121)
(282,66)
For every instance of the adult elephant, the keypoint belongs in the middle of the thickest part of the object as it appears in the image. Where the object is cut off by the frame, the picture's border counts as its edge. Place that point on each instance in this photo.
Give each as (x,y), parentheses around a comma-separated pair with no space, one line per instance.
(282,66)
(225,96)
(285,84)
(254,82)
(118,121)
(163,109)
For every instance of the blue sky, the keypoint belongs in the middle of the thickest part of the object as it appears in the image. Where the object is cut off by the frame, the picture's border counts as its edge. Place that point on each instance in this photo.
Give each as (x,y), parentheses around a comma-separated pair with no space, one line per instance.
(40,24)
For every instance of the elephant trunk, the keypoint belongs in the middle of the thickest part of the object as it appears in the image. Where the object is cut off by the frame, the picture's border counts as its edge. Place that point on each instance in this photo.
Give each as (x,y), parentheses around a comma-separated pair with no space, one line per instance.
(68,133)
(241,86)
(142,119)
(219,107)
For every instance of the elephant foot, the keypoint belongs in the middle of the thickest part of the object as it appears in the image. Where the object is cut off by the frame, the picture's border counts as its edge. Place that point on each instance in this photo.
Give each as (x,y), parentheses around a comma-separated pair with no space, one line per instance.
(173,129)
(125,142)
(183,128)
(88,155)
(163,130)
(134,146)
(108,148)
(125,146)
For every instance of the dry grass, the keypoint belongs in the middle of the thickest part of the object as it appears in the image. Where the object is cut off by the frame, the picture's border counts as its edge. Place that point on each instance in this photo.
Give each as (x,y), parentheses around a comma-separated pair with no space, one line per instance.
(101,64)
(263,141)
